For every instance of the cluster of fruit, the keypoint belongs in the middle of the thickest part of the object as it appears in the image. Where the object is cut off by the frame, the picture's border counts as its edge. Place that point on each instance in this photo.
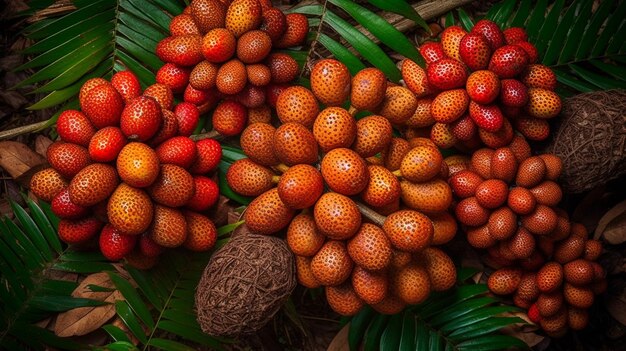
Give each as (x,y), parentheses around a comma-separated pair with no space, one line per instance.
(558,285)
(222,51)
(479,86)
(126,169)
(388,263)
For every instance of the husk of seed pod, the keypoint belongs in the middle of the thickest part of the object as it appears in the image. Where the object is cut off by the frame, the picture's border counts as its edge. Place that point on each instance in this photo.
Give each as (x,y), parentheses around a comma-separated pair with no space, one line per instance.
(590,138)
(244,285)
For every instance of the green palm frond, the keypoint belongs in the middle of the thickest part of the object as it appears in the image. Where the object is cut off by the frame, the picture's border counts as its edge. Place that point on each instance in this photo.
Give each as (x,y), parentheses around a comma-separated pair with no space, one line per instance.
(29,250)
(160,312)
(464,318)
(95,40)
(584,46)
(322,16)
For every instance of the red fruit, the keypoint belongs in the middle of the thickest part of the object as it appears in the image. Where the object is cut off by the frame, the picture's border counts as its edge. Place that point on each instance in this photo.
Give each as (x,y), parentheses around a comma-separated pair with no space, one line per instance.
(74,127)
(515,35)
(542,221)
(450,41)
(464,183)
(218,45)
(253,46)
(531,51)
(521,200)
(447,74)
(148,247)
(78,231)
(539,76)
(533,314)
(503,164)
(532,128)
(300,186)
(197,96)
(295,34)
(481,162)
(114,245)
(229,118)
(127,84)
(502,224)
(448,106)
(547,193)
(169,128)
(251,96)
(88,85)
(274,23)
(183,24)
(432,52)
(483,86)
(491,31)
(508,61)
(492,193)
(513,93)
(180,151)
(183,50)
(469,212)
(487,117)
(499,138)
(187,117)
(475,51)
(201,232)
(106,144)
(283,68)
(162,94)
(206,194)
(141,118)
(207,14)
(103,105)
(63,207)
(463,128)
(273,91)
(175,77)
(67,158)
(209,155)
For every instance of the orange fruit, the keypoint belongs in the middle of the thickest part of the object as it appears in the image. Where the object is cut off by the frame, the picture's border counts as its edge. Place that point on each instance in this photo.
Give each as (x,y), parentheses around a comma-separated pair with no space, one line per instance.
(294,144)
(409,230)
(257,142)
(398,105)
(370,286)
(173,187)
(303,237)
(344,171)
(330,82)
(267,214)
(370,248)
(334,127)
(298,105)
(138,165)
(343,300)
(130,210)
(383,187)
(248,178)
(432,196)
(337,216)
(368,87)
(373,134)
(300,186)
(420,164)
(332,265)
(243,16)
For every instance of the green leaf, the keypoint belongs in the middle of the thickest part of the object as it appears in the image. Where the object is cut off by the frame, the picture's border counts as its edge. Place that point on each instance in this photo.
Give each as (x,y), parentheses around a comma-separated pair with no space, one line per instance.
(536,19)
(504,11)
(403,8)
(232,154)
(591,33)
(475,316)
(31,228)
(145,285)
(493,342)
(341,53)
(407,338)
(549,26)
(466,20)
(390,339)
(576,32)
(484,327)
(44,225)
(358,326)
(560,34)
(133,299)
(188,333)
(62,303)
(225,229)
(130,320)
(450,20)
(83,267)
(165,344)
(374,332)
(121,346)
(465,273)
(460,309)
(521,14)
(422,337)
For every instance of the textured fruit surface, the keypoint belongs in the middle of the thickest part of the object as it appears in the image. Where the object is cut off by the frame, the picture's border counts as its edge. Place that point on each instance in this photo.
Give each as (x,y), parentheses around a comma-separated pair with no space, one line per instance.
(440,268)
(141,118)
(257,143)
(106,144)
(543,103)
(205,195)
(450,41)
(130,210)
(508,61)
(218,45)
(513,93)
(180,151)
(542,221)
(162,94)
(531,172)
(182,50)
(550,277)
(370,248)
(295,144)
(63,207)
(398,105)
(267,214)
(300,186)
(469,212)
(168,228)
(330,82)
(183,24)
(448,106)
(373,133)
(487,117)
(492,193)
(173,76)
(297,104)
(447,74)
(491,32)
(274,23)
(138,165)
(343,300)
(421,164)
(367,88)
(47,183)
(503,164)
(229,118)
(115,245)
(78,231)
(67,158)
(483,86)
(201,232)
(253,46)
(431,52)
(303,237)
(93,184)
(433,196)
(464,183)
(297,27)
(332,264)
(74,127)
(475,51)
(103,105)
(208,14)
(370,286)
(411,284)
(444,227)
(569,249)
(504,281)
(577,296)
(231,77)
(243,16)
(579,272)
(502,223)
(173,187)
(334,127)
(304,274)
(283,67)
(249,178)
(547,193)
(539,76)
(416,78)
(337,216)
(344,171)
(409,230)
(383,187)
(187,116)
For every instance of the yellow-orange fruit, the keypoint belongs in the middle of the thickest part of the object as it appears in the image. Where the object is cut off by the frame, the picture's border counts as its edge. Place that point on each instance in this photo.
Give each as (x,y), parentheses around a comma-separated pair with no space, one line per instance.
(93,184)
(208,14)
(394,153)
(373,134)
(415,78)
(267,214)
(130,210)
(370,248)
(444,226)
(257,142)
(334,127)
(578,296)
(422,117)
(449,105)
(368,87)
(294,144)
(304,274)
(169,228)
(332,264)
(440,267)
(421,164)
(243,16)
(261,114)
(550,277)
(248,178)
(337,216)
(431,197)
(409,230)
(543,103)
(542,221)
(451,40)
(504,281)
(370,286)
(343,300)
(297,104)
(201,232)
(330,82)
(411,284)
(300,186)
(259,74)
(173,187)
(549,304)
(383,187)
(138,165)
(302,237)
(531,172)
(231,77)
(47,183)
(253,46)
(344,171)
(204,75)
(398,105)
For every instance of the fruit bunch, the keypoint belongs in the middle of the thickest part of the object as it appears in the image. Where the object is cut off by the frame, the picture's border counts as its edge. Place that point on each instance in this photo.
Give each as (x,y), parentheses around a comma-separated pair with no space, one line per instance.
(220,54)
(125,169)
(480,86)
(386,262)
(557,284)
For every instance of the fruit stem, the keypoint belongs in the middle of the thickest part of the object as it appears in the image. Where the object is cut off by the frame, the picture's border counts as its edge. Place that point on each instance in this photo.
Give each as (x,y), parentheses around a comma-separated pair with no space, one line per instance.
(397,173)
(352,110)
(275,179)
(281,167)
(370,214)
(208,135)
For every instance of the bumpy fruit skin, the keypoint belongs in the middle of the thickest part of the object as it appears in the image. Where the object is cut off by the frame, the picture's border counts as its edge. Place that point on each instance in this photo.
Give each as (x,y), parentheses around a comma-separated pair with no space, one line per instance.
(383,187)
(93,184)
(344,171)
(298,105)
(304,274)
(491,31)
(411,283)
(208,14)
(103,105)
(370,248)
(448,106)
(303,237)
(115,245)
(201,232)
(231,77)
(483,86)
(229,118)
(183,24)
(504,281)
(243,16)
(515,35)
(531,50)
(209,156)
(440,268)
(173,186)
(78,231)
(450,41)
(283,68)
(173,76)
(431,52)
(295,144)
(253,46)
(487,117)
(187,117)
(138,165)
(343,299)
(106,144)
(539,76)
(370,286)
(248,178)
(433,196)
(300,186)
(508,61)
(337,216)
(257,143)
(74,127)
(180,151)
(259,74)
(543,103)
(447,74)
(332,265)
(330,82)
(206,194)
(420,164)
(475,51)
(267,214)
(67,158)
(168,228)
(47,183)
(334,127)
(162,93)
(367,89)
(409,230)
(141,118)
(63,207)
(297,27)
(274,23)
(130,210)
(183,50)
(373,135)
(218,45)
(398,105)
(203,75)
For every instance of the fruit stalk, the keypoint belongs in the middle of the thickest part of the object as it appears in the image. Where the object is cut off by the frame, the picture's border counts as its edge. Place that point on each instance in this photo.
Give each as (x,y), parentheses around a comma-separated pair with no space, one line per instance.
(208,135)
(371,214)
